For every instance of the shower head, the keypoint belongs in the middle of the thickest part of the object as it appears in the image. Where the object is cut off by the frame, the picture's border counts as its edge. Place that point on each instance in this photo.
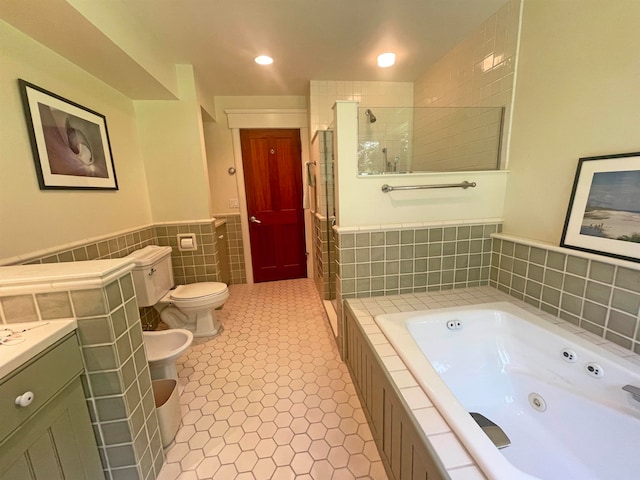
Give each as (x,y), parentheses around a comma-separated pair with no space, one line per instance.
(372,117)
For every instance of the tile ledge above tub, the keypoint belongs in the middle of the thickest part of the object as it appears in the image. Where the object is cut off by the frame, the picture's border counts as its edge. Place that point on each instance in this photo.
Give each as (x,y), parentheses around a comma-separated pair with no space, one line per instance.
(568,251)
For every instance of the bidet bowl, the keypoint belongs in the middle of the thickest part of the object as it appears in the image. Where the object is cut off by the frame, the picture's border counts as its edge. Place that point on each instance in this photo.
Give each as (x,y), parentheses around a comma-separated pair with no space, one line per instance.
(163,349)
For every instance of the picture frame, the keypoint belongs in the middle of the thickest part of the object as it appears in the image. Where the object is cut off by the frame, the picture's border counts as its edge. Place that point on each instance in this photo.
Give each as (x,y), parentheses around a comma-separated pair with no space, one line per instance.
(604,209)
(70,142)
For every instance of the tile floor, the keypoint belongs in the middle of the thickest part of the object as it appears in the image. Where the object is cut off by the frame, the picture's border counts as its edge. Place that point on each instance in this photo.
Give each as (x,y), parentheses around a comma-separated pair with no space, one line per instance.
(269,398)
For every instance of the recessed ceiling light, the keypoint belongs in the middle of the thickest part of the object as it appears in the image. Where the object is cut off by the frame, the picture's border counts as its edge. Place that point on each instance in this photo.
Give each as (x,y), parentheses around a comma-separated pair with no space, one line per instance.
(386,59)
(263,60)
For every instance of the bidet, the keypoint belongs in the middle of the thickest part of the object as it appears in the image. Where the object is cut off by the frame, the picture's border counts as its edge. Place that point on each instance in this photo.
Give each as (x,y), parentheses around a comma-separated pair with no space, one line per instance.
(163,349)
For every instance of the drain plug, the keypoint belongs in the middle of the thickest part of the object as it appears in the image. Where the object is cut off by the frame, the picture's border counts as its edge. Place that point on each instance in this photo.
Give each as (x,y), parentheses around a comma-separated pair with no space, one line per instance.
(537,402)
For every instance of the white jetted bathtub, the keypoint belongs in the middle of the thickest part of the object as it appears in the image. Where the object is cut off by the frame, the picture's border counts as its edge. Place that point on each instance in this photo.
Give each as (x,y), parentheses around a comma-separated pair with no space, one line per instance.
(556,396)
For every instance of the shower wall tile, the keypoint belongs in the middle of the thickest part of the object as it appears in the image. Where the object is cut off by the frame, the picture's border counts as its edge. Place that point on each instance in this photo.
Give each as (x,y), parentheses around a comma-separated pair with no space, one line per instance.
(323,248)
(478,72)
(324,93)
(598,295)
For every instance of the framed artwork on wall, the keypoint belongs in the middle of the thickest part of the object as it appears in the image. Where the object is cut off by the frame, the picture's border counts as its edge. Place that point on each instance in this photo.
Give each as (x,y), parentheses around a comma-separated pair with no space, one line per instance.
(70,143)
(604,209)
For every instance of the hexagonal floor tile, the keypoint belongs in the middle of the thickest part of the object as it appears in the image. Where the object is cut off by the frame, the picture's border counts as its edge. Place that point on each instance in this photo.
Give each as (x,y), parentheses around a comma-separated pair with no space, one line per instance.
(269,397)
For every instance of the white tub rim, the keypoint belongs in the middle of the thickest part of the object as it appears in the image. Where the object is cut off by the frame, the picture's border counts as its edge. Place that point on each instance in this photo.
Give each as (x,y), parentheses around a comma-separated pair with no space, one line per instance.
(482,450)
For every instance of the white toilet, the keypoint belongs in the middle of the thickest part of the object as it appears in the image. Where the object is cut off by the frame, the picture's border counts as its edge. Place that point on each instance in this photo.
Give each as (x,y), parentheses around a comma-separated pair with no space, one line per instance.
(191,307)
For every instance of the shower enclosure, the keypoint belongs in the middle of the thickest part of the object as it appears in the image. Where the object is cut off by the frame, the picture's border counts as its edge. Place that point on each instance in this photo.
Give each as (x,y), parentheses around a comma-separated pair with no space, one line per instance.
(396,140)
(324,260)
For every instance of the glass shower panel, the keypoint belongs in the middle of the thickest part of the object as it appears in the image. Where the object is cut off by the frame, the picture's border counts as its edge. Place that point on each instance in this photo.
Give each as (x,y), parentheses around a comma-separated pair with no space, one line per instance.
(394,140)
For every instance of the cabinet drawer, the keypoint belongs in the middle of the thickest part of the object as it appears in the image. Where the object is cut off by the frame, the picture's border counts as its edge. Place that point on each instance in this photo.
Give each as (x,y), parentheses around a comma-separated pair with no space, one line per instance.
(44,375)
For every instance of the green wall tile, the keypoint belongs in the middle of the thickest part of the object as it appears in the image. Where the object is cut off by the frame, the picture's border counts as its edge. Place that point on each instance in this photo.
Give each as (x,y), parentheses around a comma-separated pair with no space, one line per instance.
(19,308)
(89,303)
(54,305)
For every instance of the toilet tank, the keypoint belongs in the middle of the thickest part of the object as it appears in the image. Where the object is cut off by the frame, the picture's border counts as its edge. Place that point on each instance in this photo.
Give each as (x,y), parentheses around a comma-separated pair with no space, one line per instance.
(152,274)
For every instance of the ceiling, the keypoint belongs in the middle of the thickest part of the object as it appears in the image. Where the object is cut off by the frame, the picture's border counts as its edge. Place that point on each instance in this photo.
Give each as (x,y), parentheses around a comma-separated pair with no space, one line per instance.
(321,40)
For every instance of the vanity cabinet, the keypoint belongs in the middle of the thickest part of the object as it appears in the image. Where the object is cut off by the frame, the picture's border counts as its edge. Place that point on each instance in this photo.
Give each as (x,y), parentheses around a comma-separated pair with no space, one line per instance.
(49,436)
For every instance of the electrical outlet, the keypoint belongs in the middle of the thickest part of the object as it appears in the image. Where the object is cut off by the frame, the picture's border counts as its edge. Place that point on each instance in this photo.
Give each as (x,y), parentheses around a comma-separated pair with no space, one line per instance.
(233,203)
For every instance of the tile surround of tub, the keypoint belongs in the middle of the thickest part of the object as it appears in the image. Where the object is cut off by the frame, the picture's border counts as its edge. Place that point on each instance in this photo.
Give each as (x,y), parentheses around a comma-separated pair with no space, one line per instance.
(391,261)
(116,382)
(598,294)
(452,452)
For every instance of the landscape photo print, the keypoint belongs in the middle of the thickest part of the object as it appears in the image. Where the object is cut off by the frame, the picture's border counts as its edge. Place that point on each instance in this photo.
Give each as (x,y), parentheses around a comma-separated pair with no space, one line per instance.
(604,210)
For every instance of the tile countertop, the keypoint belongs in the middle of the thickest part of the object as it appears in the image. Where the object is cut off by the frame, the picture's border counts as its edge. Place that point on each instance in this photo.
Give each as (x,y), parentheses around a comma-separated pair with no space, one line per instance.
(453,454)
(35,341)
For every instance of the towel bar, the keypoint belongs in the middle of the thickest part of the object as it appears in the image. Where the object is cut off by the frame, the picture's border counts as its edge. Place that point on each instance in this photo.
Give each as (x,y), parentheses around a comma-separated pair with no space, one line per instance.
(388,188)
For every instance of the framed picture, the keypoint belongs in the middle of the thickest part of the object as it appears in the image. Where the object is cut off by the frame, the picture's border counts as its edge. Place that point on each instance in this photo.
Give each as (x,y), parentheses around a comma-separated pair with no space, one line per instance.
(70,143)
(604,210)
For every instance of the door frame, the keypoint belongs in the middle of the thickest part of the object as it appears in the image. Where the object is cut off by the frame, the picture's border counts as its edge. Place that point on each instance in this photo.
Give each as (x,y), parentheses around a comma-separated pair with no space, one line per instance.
(271,119)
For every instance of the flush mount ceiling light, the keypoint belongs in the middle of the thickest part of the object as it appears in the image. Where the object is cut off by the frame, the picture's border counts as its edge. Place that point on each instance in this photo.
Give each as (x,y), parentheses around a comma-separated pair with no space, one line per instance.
(263,60)
(386,59)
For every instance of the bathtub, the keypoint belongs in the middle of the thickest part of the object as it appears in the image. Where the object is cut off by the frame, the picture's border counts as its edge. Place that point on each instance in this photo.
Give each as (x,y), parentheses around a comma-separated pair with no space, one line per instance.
(558,397)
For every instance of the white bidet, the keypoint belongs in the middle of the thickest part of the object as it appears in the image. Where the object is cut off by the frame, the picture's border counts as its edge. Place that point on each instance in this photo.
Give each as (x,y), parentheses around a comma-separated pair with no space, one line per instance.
(163,349)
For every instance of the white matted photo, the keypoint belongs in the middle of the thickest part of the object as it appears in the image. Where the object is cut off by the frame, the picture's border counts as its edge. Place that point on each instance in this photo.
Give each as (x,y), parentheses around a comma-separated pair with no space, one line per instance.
(604,210)
(70,142)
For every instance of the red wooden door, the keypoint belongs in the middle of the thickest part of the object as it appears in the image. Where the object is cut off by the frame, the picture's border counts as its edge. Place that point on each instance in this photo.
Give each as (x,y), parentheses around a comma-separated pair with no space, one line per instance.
(273,180)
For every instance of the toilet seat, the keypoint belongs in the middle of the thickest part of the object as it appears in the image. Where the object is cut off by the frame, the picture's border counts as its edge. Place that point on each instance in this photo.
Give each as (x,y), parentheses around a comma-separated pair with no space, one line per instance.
(198,294)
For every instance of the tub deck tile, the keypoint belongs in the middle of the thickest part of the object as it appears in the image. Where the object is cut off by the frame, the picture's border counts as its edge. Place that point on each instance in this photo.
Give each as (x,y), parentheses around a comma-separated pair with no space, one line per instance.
(450,450)
(455,457)
(415,397)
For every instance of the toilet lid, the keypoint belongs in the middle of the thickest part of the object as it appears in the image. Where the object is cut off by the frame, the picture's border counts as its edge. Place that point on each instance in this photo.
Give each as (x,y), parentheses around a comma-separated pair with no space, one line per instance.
(198,290)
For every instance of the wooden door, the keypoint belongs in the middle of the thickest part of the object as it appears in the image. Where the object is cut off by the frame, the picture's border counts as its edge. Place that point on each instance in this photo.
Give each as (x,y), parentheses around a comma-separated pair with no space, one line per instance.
(273,181)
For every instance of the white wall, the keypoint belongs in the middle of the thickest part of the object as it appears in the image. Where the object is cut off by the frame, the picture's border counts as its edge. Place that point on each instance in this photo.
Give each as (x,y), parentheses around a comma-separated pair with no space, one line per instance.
(361,202)
(174,153)
(219,144)
(577,95)
(32,219)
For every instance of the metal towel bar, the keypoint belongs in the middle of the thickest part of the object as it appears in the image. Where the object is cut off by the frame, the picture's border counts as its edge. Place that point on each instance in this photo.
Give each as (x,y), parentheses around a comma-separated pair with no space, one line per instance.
(388,188)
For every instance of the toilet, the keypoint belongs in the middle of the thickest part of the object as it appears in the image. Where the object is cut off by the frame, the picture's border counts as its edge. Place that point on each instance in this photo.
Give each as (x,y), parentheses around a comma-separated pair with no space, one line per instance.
(191,307)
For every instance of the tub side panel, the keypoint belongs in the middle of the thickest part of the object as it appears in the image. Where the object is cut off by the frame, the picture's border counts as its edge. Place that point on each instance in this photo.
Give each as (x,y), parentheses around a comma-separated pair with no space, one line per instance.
(404,449)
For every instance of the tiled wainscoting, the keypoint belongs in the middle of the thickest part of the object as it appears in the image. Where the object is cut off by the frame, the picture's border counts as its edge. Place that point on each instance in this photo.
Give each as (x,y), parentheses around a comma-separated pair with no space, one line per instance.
(324,278)
(413,259)
(117,382)
(203,265)
(600,295)
(236,249)
(410,259)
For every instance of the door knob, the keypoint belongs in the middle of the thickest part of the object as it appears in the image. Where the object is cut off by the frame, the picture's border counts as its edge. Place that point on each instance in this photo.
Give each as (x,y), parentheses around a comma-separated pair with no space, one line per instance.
(254,219)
